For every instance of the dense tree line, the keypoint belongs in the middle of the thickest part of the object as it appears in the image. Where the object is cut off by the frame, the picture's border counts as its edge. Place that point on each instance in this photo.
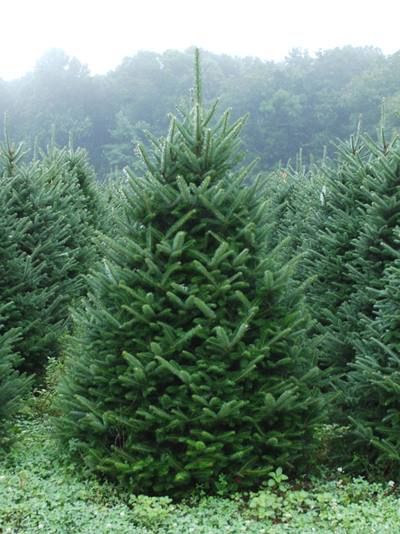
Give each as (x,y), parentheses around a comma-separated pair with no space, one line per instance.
(343,219)
(303,101)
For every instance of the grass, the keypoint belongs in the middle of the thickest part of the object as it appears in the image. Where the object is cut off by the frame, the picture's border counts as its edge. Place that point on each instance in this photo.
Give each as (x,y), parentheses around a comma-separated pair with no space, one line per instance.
(39,492)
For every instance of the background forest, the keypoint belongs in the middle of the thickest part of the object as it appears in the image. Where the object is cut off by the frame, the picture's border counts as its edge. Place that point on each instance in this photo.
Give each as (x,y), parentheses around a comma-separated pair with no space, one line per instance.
(305,101)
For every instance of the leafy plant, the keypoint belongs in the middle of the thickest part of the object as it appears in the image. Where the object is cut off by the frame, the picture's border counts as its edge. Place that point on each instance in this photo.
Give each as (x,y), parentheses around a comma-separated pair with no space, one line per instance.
(277,480)
(151,511)
(41,491)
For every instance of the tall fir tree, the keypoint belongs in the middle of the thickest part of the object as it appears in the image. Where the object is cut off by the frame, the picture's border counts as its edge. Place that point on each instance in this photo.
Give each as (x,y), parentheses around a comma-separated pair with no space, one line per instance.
(329,243)
(15,268)
(375,247)
(56,246)
(374,378)
(187,360)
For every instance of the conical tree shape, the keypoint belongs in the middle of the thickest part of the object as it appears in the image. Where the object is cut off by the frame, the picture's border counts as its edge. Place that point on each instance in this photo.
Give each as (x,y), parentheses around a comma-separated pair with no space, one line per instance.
(374,378)
(15,268)
(187,360)
(75,165)
(56,247)
(375,247)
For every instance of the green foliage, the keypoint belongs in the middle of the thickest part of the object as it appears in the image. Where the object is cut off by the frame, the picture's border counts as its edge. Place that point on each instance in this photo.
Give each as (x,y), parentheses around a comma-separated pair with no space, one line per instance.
(151,511)
(302,102)
(353,257)
(330,250)
(40,492)
(188,359)
(294,197)
(14,268)
(12,385)
(41,402)
(53,211)
(56,100)
(344,505)
(277,480)
(376,417)
(125,137)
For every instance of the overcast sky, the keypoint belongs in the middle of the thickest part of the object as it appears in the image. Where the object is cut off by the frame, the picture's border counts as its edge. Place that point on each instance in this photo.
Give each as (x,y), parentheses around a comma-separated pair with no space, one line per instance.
(101,32)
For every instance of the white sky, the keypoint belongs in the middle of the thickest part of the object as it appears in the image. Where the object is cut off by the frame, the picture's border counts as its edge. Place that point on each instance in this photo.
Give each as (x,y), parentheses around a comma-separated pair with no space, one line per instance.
(101,32)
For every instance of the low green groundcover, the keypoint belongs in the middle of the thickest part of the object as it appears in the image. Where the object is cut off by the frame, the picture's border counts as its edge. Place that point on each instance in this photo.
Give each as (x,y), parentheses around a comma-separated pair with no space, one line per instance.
(40,492)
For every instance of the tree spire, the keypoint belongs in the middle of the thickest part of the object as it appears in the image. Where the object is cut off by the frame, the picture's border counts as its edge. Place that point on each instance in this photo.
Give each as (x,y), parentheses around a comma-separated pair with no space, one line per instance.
(197,78)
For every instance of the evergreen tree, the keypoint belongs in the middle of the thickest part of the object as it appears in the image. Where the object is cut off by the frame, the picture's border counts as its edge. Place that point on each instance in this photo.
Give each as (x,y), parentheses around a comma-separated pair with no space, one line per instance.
(330,244)
(187,360)
(374,377)
(12,385)
(355,259)
(375,246)
(375,383)
(294,196)
(75,165)
(56,247)
(14,269)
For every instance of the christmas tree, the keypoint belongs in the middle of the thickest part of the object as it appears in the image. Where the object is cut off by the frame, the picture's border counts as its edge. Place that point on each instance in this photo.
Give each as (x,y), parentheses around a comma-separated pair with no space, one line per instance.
(187,361)
(15,267)
(374,382)
(56,248)
(294,196)
(330,251)
(75,166)
(375,247)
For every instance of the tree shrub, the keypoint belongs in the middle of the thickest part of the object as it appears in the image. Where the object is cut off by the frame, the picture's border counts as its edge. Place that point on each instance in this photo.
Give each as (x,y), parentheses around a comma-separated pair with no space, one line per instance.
(187,361)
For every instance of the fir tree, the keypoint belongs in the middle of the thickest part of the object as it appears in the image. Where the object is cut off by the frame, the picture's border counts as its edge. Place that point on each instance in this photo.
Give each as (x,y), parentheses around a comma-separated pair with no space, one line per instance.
(187,360)
(75,165)
(12,385)
(330,249)
(374,377)
(14,269)
(374,384)
(295,196)
(375,247)
(56,248)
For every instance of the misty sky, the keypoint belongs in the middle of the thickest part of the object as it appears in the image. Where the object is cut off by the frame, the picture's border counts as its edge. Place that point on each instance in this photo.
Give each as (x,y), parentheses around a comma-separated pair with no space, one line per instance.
(101,32)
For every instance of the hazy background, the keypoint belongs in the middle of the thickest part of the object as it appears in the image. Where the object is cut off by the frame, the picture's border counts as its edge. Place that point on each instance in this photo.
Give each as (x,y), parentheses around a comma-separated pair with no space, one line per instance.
(101,32)
(101,72)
